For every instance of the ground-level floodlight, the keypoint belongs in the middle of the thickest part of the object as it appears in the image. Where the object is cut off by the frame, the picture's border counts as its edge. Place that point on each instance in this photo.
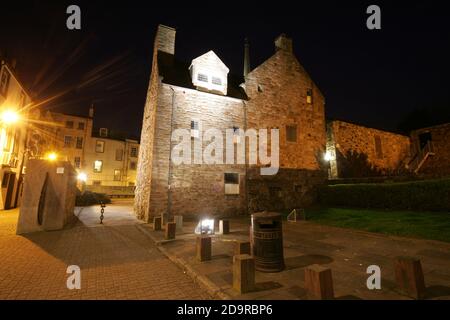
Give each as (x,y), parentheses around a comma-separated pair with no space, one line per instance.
(205,226)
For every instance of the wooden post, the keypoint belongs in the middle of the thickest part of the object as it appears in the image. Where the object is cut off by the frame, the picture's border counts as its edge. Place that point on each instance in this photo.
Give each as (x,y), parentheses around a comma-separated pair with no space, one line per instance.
(243,273)
(170,230)
(157,223)
(224,226)
(241,247)
(409,277)
(319,283)
(179,221)
(203,248)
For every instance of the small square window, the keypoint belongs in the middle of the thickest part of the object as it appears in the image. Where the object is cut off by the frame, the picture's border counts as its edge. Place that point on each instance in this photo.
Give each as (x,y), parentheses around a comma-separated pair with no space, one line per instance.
(309,96)
(117,175)
(100,146)
(231,183)
(133,152)
(291,133)
(103,132)
(217,81)
(119,154)
(77,162)
(80,125)
(202,77)
(67,141)
(98,165)
(79,143)
(69,124)
(132,165)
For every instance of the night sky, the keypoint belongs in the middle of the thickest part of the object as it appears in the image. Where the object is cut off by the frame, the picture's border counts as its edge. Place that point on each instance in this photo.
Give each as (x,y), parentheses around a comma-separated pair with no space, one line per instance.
(375,78)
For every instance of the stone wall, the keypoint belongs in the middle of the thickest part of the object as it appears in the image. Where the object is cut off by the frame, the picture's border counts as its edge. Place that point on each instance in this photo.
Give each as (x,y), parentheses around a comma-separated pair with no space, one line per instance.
(344,137)
(439,163)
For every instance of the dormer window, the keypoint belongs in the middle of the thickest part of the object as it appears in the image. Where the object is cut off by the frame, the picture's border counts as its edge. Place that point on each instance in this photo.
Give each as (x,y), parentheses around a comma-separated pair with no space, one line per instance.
(217,81)
(202,77)
(309,96)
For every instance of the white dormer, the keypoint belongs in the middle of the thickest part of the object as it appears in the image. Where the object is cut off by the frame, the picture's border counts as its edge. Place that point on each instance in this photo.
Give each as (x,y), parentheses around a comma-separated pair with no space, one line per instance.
(209,73)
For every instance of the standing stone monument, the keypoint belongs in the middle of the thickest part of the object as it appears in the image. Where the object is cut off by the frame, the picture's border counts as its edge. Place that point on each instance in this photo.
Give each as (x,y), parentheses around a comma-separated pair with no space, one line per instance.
(48,198)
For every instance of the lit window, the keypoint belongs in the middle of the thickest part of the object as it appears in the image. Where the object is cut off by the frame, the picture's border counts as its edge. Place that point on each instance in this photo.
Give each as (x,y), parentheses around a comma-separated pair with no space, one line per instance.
(202,77)
(100,146)
(119,154)
(309,96)
(217,81)
(133,152)
(291,133)
(79,143)
(132,165)
(231,183)
(69,124)
(77,162)
(4,82)
(67,141)
(98,165)
(117,175)
(80,125)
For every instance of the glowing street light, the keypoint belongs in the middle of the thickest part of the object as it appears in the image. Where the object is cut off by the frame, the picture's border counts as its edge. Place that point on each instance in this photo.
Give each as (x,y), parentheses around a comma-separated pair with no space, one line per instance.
(52,156)
(328,156)
(9,117)
(82,177)
(205,226)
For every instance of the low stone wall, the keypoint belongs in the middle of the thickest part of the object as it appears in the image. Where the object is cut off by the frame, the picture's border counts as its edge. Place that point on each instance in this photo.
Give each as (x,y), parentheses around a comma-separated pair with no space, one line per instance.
(289,189)
(113,191)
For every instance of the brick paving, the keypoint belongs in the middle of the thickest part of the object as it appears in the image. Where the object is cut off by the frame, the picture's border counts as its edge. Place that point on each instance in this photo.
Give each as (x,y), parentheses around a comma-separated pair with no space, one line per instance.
(117,261)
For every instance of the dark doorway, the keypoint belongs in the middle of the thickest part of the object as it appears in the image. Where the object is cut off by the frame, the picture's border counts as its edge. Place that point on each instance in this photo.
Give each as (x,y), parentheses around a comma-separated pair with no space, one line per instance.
(9,179)
(424,138)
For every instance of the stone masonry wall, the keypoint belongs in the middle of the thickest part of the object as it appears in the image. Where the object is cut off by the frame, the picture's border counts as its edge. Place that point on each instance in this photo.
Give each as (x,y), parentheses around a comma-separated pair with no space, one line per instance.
(348,136)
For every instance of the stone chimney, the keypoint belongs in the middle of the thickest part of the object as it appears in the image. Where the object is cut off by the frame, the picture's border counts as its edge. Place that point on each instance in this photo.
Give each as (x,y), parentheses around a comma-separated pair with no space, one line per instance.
(284,43)
(165,39)
(246,57)
(91,111)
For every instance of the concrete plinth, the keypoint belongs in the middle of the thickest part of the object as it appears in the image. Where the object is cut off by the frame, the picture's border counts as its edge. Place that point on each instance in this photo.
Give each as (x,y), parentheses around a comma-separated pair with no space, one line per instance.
(409,277)
(242,247)
(157,223)
(319,283)
(243,273)
(171,228)
(203,248)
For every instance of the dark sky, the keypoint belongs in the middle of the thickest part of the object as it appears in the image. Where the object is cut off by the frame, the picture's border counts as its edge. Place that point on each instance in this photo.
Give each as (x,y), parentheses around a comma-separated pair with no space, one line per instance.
(369,77)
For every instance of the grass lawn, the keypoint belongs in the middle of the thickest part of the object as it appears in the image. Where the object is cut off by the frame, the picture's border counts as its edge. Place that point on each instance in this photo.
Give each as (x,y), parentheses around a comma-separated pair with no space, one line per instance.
(425,225)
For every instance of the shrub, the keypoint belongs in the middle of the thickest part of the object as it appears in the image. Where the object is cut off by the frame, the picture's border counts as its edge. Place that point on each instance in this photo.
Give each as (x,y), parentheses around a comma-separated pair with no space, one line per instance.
(89,198)
(432,195)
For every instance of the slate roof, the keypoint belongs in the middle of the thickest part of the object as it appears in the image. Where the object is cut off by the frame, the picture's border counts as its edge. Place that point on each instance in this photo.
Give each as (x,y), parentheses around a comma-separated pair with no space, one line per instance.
(177,73)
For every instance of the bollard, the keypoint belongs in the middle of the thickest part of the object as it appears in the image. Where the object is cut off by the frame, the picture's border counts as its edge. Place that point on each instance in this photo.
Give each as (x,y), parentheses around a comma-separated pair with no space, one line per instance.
(203,248)
(157,223)
(243,273)
(102,211)
(179,221)
(241,247)
(409,277)
(224,226)
(319,283)
(170,230)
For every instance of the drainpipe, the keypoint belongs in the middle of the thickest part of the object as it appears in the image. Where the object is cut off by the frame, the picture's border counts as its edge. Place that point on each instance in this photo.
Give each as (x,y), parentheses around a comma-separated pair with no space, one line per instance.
(245,160)
(169,176)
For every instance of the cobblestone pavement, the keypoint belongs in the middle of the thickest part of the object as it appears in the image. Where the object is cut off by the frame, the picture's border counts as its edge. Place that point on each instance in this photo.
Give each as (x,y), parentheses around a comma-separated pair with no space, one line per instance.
(117,261)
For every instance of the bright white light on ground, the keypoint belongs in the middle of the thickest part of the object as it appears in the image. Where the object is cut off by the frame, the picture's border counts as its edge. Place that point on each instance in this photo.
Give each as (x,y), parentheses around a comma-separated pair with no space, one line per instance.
(82,177)
(9,117)
(205,226)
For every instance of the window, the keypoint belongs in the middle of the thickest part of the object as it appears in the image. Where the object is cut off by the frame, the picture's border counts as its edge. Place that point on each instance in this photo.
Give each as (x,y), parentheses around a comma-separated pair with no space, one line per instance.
(260,88)
(133,152)
(100,146)
(231,183)
(79,143)
(309,96)
(98,165)
(117,175)
(80,125)
(132,165)
(77,162)
(69,124)
(4,82)
(202,77)
(194,129)
(378,148)
(217,81)
(291,133)
(236,138)
(119,154)
(67,141)
(103,132)
(97,183)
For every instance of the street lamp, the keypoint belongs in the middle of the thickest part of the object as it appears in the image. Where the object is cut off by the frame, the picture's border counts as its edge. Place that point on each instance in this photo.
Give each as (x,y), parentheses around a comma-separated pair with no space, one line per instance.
(52,156)
(10,117)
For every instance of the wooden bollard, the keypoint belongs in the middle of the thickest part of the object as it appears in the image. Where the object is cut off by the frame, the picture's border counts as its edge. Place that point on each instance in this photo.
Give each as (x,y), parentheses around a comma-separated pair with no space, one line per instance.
(319,283)
(157,223)
(243,273)
(241,247)
(203,248)
(409,277)
(171,228)
(224,226)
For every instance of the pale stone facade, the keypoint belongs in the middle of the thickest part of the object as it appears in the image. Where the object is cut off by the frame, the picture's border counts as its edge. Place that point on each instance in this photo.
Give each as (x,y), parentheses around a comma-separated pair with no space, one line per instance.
(202,95)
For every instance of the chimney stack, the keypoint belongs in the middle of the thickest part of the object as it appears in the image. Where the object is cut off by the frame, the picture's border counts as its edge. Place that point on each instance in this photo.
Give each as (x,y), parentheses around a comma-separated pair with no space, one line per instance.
(284,43)
(91,111)
(165,39)
(246,57)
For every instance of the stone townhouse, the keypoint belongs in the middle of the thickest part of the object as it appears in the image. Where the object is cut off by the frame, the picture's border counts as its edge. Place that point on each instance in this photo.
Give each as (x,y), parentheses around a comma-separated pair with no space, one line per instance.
(203,94)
